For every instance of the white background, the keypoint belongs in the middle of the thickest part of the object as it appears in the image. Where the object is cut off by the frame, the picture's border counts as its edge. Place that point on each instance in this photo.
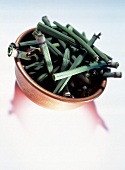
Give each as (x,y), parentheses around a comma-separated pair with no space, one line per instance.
(44,139)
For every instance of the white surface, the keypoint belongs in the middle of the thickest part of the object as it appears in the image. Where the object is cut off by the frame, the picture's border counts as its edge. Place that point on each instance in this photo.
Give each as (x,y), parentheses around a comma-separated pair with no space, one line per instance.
(63,141)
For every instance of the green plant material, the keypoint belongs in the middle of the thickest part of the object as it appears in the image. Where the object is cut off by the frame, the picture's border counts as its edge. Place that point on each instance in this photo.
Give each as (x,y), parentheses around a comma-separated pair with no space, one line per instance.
(34,48)
(112,74)
(40,65)
(40,38)
(66,60)
(12,51)
(109,58)
(113,64)
(69,27)
(73,57)
(54,33)
(54,27)
(73,49)
(31,65)
(64,55)
(32,73)
(84,34)
(103,56)
(42,77)
(28,43)
(56,44)
(53,49)
(81,69)
(79,40)
(31,54)
(62,43)
(87,74)
(23,55)
(93,39)
(45,75)
(61,84)
(49,38)
(46,21)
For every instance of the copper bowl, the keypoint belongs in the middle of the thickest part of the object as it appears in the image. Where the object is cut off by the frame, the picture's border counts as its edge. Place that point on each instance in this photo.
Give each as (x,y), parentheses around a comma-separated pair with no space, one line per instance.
(41,96)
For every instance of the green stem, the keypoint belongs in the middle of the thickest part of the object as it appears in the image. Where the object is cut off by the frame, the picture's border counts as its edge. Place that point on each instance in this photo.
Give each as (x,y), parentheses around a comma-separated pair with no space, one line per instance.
(40,38)
(79,40)
(54,33)
(64,81)
(71,72)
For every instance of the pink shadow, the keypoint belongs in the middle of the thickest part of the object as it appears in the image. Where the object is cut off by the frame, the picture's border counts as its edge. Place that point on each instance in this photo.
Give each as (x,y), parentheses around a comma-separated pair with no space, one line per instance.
(20,101)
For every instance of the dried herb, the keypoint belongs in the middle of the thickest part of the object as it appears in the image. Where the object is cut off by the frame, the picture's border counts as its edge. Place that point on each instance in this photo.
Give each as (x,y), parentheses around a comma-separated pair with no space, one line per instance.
(62,60)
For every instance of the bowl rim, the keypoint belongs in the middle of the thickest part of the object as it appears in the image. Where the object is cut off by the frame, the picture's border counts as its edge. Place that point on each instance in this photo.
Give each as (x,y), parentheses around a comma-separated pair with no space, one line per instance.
(46,92)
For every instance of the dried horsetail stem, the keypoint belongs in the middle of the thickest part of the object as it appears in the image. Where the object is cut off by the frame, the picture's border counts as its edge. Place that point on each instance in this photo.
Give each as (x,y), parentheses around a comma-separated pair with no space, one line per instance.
(93,39)
(113,64)
(53,49)
(112,74)
(82,36)
(31,65)
(103,56)
(56,44)
(40,38)
(28,43)
(79,40)
(81,69)
(54,33)
(66,60)
(23,55)
(44,75)
(47,22)
(34,48)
